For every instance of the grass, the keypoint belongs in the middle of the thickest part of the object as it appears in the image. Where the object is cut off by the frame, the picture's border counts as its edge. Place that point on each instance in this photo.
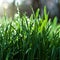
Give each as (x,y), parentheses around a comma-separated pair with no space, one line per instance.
(33,38)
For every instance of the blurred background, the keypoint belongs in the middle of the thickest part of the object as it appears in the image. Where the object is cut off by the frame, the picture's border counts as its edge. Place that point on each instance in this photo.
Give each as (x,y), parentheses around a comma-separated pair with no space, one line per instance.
(10,7)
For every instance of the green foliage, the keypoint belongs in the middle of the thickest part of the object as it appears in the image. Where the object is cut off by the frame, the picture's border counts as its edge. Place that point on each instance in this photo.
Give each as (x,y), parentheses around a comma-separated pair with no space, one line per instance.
(33,38)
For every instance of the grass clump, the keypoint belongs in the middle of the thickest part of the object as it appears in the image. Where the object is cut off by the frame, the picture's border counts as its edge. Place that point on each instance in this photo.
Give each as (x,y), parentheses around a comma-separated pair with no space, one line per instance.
(33,38)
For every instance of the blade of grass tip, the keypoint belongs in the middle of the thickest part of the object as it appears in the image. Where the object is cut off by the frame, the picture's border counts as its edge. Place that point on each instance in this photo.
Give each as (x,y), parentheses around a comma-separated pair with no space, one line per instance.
(37,13)
(45,13)
(33,11)
(55,21)
(54,25)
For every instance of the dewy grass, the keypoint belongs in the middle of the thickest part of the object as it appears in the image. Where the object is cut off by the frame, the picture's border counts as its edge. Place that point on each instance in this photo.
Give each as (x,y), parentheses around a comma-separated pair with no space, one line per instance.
(33,38)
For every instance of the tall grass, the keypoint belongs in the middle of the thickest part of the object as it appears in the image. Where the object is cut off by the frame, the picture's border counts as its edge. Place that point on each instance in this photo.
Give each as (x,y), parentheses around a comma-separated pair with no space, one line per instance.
(33,38)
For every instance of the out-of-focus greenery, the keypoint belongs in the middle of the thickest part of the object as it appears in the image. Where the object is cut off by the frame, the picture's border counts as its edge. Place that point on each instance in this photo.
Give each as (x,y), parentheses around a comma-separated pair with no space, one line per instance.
(33,38)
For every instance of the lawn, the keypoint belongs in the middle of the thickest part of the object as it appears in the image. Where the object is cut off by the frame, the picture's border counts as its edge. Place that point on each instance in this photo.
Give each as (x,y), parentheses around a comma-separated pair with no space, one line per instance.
(29,38)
